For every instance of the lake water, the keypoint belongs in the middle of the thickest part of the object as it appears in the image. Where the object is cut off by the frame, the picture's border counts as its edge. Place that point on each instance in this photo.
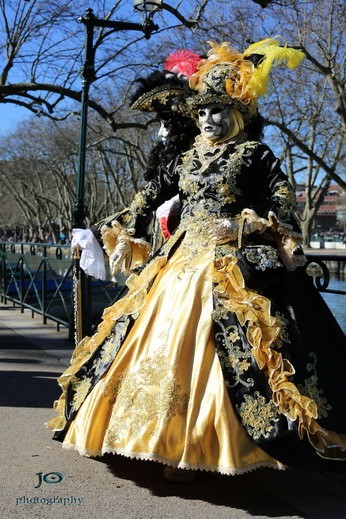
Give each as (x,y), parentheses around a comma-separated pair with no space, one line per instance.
(336,302)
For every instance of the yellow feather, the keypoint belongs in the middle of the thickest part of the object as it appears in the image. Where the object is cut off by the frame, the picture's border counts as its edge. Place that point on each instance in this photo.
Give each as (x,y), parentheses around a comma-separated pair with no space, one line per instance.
(254,47)
(274,55)
(246,82)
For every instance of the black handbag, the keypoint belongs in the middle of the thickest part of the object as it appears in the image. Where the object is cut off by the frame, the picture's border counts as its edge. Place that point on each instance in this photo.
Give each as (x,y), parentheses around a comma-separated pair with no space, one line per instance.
(260,262)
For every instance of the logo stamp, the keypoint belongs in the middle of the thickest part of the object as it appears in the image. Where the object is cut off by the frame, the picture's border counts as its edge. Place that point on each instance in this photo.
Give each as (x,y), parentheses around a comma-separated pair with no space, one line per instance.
(52,477)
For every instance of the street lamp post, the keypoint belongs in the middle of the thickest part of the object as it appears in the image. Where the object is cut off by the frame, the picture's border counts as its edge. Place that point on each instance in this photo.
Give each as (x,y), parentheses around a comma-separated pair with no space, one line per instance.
(88,76)
(82,299)
(151,6)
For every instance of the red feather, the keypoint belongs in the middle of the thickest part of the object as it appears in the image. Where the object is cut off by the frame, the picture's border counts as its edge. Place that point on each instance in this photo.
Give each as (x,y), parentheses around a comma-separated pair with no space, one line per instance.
(182,62)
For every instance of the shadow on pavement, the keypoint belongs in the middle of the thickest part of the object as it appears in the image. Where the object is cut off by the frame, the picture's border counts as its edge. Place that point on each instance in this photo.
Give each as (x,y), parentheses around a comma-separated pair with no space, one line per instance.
(21,361)
(12,340)
(263,492)
(29,388)
(238,492)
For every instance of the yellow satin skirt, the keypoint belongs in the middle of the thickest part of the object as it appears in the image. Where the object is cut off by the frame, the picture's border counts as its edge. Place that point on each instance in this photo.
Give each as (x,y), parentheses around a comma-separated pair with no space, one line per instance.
(164,397)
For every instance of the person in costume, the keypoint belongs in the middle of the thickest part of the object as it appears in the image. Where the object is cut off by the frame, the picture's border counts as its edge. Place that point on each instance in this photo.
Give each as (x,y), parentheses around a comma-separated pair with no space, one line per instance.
(222,356)
(161,93)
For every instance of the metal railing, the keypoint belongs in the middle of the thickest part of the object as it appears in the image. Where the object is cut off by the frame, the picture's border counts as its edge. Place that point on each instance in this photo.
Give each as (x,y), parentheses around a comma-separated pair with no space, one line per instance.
(319,266)
(39,276)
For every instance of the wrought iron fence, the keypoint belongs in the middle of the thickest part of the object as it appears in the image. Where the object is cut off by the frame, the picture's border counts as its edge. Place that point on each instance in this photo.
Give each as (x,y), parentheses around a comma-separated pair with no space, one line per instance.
(39,276)
(320,266)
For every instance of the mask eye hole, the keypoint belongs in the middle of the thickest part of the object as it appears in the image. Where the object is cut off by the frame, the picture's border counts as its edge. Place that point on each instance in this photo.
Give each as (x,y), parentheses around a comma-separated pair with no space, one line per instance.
(216,110)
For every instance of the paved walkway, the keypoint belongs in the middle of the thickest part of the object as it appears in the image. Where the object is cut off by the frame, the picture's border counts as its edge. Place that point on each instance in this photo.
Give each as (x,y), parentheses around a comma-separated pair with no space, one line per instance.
(327,252)
(32,355)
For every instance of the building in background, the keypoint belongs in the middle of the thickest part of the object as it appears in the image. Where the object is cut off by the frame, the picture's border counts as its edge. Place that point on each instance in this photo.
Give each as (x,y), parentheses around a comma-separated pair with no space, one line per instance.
(329,225)
(331,216)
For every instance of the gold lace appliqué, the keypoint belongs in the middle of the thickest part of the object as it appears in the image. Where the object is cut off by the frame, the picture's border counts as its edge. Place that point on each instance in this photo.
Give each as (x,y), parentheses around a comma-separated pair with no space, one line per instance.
(285,198)
(128,219)
(283,335)
(258,415)
(234,359)
(143,397)
(144,198)
(213,168)
(197,236)
(81,388)
(108,352)
(311,390)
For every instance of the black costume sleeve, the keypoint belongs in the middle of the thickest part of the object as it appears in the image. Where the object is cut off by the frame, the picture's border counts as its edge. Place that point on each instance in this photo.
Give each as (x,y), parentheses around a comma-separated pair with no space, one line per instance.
(275,207)
(138,215)
(277,197)
(133,224)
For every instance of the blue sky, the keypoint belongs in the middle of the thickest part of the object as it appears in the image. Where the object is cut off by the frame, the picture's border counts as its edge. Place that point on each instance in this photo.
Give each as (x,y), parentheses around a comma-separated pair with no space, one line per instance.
(10,116)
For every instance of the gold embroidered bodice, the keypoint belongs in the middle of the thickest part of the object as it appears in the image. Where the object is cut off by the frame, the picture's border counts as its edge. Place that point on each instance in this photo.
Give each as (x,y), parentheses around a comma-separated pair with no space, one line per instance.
(217,181)
(208,180)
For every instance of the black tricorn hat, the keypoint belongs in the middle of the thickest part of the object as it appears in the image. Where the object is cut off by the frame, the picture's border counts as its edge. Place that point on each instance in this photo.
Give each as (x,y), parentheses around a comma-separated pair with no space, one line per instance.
(160,92)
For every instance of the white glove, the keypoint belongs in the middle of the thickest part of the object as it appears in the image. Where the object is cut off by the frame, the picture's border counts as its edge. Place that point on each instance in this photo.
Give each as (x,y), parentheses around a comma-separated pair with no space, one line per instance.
(255,226)
(91,260)
(223,230)
(120,257)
